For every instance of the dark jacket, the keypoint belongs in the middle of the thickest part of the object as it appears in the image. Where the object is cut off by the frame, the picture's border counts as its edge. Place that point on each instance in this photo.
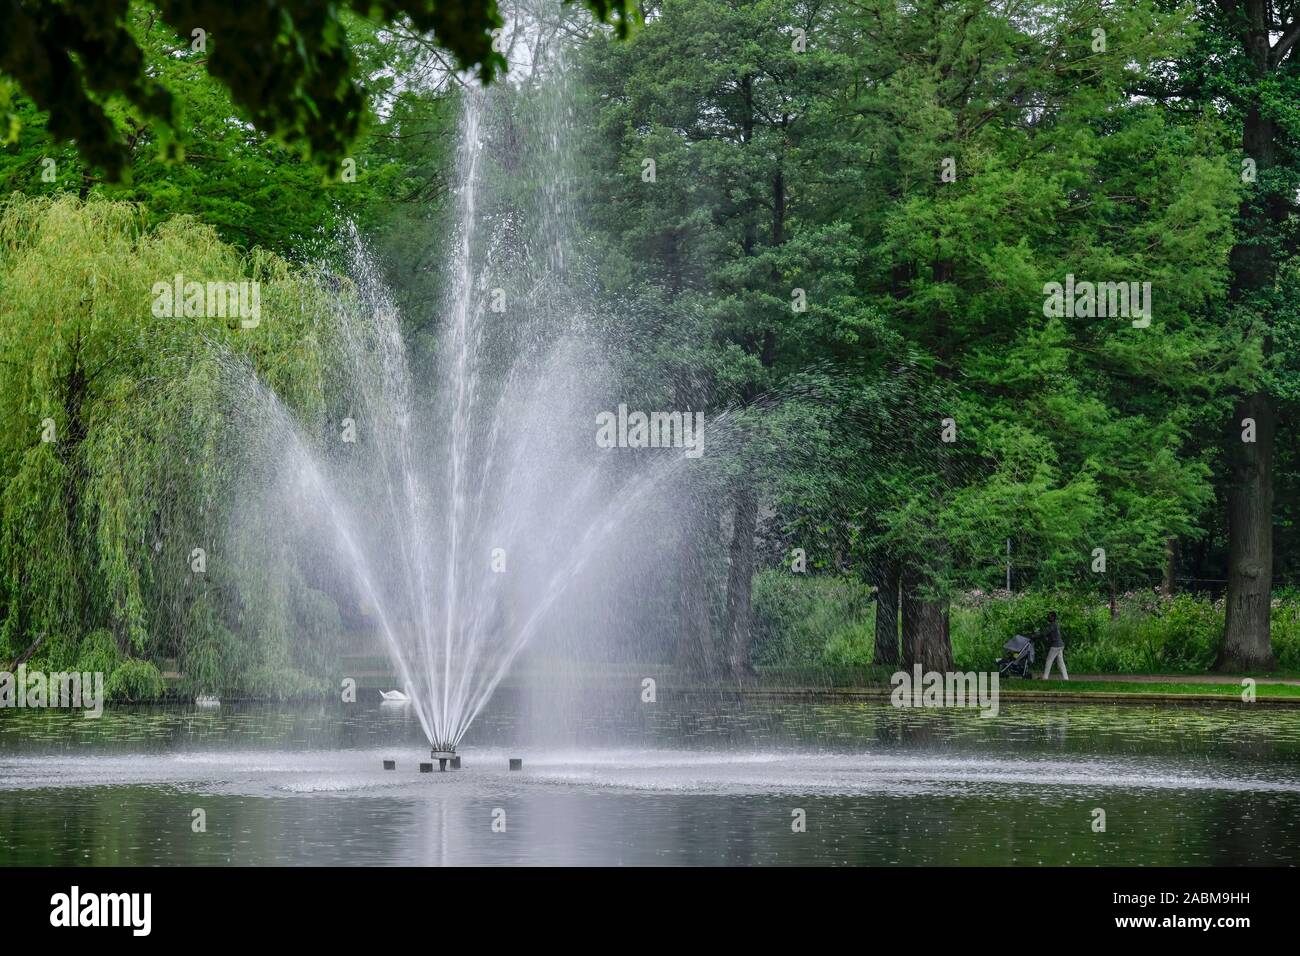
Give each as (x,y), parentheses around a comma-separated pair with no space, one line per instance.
(1052,634)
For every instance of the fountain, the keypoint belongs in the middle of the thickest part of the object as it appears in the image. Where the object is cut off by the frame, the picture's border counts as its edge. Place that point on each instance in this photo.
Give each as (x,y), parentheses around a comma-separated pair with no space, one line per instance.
(459,504)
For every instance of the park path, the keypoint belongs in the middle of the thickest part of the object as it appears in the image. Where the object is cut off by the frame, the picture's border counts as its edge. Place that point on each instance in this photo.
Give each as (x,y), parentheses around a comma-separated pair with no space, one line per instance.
(1171,678)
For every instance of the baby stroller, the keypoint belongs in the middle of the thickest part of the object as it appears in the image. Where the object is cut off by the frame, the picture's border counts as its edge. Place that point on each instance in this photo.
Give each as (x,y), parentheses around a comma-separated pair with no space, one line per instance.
(1018,658)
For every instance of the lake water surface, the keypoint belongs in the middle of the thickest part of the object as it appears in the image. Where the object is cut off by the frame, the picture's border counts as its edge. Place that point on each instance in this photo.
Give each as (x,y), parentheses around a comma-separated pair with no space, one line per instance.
(692,780)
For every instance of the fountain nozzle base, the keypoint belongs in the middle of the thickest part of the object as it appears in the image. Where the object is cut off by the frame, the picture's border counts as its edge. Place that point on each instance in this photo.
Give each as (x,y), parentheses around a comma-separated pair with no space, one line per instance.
(442,756)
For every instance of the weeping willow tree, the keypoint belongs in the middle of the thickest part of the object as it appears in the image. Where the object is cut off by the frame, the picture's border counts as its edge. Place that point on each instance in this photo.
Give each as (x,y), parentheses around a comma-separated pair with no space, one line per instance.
(119,471)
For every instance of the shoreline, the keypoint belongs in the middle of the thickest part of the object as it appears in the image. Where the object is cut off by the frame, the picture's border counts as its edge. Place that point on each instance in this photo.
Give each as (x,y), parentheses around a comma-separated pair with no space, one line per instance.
(849,694)
(1284,693)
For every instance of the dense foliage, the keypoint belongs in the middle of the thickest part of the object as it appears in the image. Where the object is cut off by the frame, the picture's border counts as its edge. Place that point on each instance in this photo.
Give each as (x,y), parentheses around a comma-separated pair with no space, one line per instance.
(113,456)
(827,623)
(838,221)
(919,175)
(287,64)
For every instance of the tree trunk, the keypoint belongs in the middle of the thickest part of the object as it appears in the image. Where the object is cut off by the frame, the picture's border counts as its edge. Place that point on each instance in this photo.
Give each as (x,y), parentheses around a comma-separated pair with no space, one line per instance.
(740,579)
(26,655)
(886,575)
(1246,645)
(926,639)
(696,653)
(1246,639)
(910,614)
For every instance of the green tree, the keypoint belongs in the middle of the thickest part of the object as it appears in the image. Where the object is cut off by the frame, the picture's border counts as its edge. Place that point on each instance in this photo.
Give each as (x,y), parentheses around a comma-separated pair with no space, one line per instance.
(287,64)
(256,193)
(1246,65)
(1008,161)
(116,461)
(720,120)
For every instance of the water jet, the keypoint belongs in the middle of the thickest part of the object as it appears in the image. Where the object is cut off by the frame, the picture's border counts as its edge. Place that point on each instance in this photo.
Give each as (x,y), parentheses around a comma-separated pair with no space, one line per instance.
(485,451)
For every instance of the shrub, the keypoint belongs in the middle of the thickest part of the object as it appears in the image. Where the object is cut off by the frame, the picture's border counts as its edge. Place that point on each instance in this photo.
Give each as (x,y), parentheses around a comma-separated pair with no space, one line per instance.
(1152,632)
(1285,621)
(282,683)
(979,632)
(824,620)
(209,658)
(811,620)
(134,680)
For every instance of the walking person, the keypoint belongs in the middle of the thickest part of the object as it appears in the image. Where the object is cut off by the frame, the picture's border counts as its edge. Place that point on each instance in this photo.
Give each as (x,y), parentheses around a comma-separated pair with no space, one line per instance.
(1056,649)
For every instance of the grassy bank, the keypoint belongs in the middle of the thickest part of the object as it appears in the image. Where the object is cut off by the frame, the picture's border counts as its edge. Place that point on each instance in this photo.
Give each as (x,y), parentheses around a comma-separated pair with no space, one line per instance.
(1225,690)
(869,682)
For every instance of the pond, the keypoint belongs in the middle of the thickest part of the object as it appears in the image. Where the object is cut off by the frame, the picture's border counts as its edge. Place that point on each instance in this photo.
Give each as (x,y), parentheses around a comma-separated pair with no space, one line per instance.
(704,780)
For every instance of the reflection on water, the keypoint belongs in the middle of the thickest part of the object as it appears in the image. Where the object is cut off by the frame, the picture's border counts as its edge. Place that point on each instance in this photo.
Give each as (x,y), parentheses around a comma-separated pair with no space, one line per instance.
(684,781)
